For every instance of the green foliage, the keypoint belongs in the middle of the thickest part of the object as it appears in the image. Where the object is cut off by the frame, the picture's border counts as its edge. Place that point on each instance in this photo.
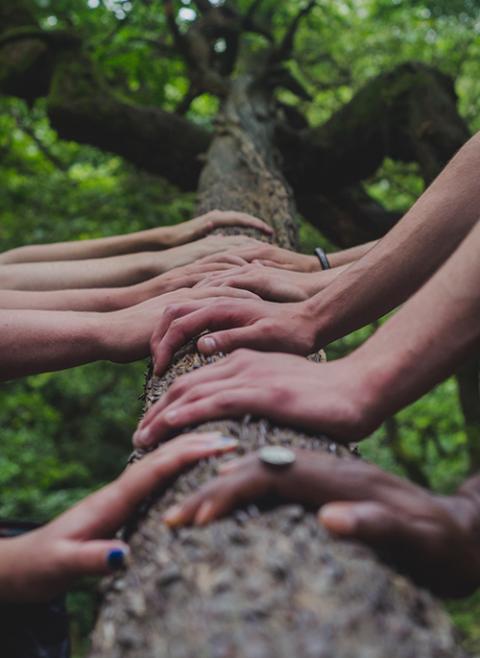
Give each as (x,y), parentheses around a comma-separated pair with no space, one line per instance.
(65,434)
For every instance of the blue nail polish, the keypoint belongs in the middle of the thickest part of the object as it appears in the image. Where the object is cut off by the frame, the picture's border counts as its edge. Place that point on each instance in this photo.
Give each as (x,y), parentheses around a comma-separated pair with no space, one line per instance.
(116,559)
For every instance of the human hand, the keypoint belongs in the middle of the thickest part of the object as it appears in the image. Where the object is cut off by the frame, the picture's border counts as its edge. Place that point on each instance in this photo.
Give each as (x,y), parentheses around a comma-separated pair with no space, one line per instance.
(125,335)
(435,539)
(250,323)
(40,564)
(194,251)
(271,283)
(185,276)
(273,256)
(331,398)
(200,226)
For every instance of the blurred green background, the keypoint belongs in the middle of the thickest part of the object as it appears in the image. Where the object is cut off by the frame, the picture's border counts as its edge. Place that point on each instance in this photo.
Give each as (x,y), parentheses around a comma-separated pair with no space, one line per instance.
(64,434)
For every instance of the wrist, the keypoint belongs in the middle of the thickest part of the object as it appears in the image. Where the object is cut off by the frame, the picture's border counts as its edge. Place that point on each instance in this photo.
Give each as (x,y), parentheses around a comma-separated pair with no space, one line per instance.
(164,237)
(319,316)
(105,337)
(366,392)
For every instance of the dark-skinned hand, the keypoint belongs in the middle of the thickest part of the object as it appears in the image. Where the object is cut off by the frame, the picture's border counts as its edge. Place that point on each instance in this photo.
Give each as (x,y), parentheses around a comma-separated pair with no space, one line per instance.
(435,539)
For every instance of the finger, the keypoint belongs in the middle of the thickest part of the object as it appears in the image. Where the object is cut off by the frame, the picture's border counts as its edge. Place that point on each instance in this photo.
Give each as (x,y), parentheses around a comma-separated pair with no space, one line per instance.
(243,219)
(94,558)
(226,291)
(171,313)
(102,513)
(141,438)
(228,258)
(253,336)
(212,372)
(222,405)
(184,387)
(221,495)
(232,465)
(374,523)
(181,330)
(277,265)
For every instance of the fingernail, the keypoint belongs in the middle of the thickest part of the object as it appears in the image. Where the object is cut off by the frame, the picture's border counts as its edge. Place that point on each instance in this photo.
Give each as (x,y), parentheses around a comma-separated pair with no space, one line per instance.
(204,513)
(226,441)
(339,520)
(207,345)
(117,558)
(173,515)
(171,416)
(141,437)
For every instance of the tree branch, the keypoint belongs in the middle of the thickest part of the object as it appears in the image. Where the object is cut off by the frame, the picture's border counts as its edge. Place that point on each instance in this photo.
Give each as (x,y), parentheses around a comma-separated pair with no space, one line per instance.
(347,217)
(409,114)
(43,148)
(83,108)
(285,49)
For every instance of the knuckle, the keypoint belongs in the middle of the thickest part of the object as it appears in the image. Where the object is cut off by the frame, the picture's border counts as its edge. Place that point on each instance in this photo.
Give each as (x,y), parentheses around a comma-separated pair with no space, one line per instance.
(170,311)
(281,396)
(177,329)
(269,327)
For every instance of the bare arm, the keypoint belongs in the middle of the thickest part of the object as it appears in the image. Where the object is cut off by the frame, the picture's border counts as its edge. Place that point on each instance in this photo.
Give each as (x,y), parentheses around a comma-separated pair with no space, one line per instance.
(162,237)
(418,347)
(39,341)
(114,271)
(384,278)
(42,341)
(428,337)
(408,255)
(347,256)
(110,299)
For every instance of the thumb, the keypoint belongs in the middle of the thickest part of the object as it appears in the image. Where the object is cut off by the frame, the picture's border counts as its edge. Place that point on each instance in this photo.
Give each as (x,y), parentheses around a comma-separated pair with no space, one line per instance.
(97,557)
(232,339)
(368,521)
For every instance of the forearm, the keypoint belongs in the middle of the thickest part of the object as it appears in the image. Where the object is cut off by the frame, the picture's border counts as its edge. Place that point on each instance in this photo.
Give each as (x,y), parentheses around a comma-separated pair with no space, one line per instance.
(41,341)
(428,338)
(99,300)
(347,256)
(315,282)
(148,240)
(62,275)
(408,255)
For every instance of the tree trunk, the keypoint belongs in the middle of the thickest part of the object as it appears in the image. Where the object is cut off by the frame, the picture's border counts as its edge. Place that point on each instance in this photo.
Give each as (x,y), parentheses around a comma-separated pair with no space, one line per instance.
(269,583)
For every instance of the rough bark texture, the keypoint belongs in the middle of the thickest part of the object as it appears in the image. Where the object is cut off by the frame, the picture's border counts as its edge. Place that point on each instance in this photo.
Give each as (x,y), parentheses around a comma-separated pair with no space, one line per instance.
(264,583)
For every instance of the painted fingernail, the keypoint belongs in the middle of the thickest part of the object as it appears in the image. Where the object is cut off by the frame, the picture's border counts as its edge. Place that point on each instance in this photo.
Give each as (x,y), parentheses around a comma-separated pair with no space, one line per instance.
(141,437)
(173,515)
(117,558)
(339,520)
(207,345)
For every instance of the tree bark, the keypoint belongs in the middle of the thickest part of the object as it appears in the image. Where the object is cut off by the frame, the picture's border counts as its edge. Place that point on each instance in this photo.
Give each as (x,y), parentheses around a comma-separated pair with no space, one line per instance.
(264,583)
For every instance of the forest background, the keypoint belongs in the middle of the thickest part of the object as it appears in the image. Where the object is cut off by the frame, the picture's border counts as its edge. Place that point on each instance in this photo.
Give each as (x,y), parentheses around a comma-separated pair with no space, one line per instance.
(64,434)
